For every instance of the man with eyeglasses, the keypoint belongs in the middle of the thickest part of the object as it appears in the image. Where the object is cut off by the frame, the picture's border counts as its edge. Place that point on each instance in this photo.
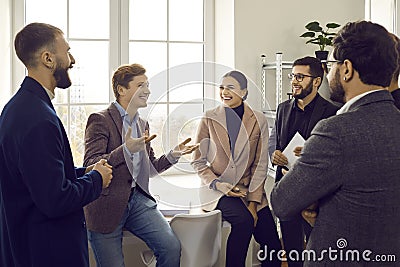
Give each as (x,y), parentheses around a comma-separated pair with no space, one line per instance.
(350,164)
(299,114)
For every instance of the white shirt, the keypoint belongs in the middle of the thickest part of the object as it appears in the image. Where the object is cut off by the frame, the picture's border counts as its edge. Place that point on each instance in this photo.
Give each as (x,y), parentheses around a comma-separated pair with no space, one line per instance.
(49,93)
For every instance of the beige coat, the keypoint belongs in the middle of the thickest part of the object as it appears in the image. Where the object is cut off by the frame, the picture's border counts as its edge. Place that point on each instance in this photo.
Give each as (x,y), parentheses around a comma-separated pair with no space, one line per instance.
(213,160)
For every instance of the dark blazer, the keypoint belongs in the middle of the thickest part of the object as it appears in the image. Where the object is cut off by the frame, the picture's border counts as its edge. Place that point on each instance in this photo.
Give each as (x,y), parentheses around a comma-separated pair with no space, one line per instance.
(351,165)
(103,139)
(279,136)
(41,199)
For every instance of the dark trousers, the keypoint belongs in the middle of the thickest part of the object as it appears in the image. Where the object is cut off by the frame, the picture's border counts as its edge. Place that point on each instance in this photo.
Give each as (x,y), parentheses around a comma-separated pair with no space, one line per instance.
(294,232)
(242,228)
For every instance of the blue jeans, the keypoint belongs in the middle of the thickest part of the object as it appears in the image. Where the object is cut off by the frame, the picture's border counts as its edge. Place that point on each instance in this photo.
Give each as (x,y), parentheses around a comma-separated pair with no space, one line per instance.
(143,219)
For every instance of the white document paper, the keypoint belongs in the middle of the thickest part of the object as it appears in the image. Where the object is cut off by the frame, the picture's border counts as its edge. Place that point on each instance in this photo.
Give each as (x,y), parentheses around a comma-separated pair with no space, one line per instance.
(297,140)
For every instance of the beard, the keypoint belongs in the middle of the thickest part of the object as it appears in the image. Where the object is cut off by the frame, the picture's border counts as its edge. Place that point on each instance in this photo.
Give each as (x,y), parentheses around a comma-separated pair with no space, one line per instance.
(305,91)
(62,77)
(336,89)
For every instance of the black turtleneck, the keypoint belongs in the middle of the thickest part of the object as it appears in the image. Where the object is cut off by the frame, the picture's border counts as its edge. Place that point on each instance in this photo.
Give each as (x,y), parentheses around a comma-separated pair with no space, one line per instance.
(233,121)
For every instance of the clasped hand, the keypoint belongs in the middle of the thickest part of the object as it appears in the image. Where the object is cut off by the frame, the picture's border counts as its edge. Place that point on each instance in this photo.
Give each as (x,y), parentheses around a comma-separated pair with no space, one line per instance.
(229,190)
(104,169)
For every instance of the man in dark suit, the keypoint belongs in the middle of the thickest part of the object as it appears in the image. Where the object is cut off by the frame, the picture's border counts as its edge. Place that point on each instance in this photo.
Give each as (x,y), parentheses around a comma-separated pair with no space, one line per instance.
(41,192)
(300,114)
(350,164)
(120,135)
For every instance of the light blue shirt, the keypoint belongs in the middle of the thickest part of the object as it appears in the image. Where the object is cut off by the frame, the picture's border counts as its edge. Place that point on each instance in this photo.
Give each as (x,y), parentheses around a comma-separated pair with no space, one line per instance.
(128,122)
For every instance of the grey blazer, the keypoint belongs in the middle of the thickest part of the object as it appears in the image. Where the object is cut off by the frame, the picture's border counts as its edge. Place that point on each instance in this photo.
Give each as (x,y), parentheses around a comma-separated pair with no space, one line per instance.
(351,165)
(103,140)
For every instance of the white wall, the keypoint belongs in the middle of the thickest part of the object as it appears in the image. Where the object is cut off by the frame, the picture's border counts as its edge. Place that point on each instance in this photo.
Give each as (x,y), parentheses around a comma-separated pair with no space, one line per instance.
(269,26)
(5,51)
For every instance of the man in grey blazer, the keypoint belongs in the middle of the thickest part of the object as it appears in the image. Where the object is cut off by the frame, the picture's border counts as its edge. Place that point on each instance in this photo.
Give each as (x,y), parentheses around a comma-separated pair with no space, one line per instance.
(350,165)
(120,135)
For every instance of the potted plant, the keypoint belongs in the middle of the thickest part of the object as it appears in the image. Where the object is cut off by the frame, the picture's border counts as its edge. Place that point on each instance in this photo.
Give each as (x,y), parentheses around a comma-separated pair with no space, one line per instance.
(321,37)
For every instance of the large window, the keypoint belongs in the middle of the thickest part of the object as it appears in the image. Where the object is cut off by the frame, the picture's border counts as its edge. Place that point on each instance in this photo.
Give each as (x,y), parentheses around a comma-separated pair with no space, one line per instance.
(103,34)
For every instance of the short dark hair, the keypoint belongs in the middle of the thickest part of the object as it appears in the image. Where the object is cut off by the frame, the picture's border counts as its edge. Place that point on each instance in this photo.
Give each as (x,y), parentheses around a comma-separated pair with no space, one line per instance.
(32,38)
(314,63)
(370,49)
(240,78)
(124,75)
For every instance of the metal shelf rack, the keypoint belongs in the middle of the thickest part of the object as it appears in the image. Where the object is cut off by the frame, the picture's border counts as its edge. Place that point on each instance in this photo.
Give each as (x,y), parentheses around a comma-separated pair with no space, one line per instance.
(278,65)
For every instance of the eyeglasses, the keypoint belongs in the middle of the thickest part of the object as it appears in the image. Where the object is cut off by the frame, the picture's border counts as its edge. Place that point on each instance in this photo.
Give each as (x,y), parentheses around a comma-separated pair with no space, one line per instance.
(299,77)
(329,63)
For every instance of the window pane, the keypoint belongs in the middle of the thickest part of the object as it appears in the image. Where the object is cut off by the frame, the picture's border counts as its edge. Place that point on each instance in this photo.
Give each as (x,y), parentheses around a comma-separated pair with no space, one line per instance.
(89,19)
(182,13)
(46,11)
(79,115)
(156,115)
(61,95)
(188,92)
(153,57)
(62,113)
(148,20)
(90,81)
(184,119)
(185,53)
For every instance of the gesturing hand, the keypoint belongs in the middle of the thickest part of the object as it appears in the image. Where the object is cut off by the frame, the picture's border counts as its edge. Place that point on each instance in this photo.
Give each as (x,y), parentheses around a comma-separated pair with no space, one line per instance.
(137,144)
(183,149)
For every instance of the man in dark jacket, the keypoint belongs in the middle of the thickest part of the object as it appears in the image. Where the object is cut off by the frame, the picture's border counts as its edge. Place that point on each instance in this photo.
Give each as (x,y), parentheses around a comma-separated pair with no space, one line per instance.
(42,194)
(300,114)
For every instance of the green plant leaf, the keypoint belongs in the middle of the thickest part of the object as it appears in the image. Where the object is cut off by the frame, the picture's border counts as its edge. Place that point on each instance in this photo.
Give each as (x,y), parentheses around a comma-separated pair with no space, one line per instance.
(308,34)
(314,26)
(332,25)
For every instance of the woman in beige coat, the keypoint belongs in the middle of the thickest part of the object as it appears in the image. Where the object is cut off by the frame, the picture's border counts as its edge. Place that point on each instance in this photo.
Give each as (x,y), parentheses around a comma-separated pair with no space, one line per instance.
(232,164)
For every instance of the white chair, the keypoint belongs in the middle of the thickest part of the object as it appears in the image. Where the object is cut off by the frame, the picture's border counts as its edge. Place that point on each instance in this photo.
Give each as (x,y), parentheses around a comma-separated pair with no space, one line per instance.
(200,237)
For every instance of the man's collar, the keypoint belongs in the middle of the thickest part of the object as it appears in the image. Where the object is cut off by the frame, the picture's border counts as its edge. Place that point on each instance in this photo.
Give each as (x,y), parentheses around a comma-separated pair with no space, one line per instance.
(123,112)
(348,104)
(49,93)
